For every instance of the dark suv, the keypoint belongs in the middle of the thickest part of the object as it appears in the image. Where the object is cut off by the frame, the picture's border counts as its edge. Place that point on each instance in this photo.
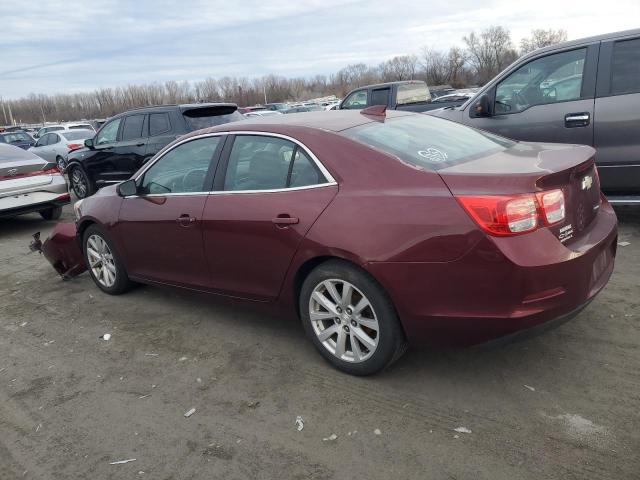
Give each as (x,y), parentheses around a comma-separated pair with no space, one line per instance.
(125,142)
(585,91)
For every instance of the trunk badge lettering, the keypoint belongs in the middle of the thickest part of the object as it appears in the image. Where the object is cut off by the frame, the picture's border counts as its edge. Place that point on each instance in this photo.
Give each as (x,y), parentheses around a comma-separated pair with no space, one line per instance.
(587,181)
(566,233)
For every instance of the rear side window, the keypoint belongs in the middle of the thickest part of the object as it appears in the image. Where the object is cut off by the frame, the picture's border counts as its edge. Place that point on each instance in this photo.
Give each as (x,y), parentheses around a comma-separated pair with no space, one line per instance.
(206,117)
(428,142)
(269,163)
(412,93)
(380,97)
(158,124)
(132,128)
(625,67)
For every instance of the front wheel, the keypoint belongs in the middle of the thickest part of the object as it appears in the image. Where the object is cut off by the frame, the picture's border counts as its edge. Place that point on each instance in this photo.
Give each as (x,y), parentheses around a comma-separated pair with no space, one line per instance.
(350,319)
(105,267)
(81,185)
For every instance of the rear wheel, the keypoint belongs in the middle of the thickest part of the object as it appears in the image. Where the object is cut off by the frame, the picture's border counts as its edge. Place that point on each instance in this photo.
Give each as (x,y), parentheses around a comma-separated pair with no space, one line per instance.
(350,319)
(80,183)
(61,163)
(51,213)
(105,266)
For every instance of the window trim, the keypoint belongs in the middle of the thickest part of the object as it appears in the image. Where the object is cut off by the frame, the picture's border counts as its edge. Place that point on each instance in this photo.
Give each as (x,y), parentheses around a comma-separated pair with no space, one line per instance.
(221,167)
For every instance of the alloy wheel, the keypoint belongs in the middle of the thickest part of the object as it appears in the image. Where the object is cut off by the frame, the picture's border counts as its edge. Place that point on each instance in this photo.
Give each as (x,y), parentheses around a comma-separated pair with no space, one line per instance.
(101,261)
(79,183)
(344,320)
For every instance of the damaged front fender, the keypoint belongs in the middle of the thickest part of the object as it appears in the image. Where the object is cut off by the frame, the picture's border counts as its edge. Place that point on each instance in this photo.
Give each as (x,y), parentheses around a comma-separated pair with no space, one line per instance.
(62,249)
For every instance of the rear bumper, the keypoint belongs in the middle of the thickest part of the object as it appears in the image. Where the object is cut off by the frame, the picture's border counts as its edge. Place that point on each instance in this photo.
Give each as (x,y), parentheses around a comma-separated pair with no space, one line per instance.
(31,202)
(502,286)
(62,250)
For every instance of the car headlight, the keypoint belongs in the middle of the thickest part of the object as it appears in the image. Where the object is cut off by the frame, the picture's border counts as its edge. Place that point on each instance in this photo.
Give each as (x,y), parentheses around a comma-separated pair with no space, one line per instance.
(76,209)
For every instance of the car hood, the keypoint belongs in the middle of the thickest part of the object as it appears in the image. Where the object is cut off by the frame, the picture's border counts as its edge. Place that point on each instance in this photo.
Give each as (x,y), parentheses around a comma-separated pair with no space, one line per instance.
(449,113)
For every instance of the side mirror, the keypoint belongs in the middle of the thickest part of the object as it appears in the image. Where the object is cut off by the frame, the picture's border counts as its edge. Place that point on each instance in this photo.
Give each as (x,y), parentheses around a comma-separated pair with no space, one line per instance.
(127,188)
(482,107)
(88,143)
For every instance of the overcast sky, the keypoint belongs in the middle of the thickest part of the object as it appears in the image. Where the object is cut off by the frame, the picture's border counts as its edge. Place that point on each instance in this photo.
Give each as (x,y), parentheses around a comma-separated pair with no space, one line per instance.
(72,45)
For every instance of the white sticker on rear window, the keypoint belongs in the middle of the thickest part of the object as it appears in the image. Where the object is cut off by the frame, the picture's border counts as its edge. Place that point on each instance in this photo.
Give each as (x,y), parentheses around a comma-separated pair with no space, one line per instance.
(433,155)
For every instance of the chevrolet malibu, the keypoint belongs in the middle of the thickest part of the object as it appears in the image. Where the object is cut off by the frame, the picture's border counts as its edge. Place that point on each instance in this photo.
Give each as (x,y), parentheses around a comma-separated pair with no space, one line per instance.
(379,229)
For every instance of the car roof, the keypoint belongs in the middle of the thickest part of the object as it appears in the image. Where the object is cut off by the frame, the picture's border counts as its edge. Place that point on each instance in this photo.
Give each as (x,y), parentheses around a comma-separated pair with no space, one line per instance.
(328,120)
(180,106)
(582,41)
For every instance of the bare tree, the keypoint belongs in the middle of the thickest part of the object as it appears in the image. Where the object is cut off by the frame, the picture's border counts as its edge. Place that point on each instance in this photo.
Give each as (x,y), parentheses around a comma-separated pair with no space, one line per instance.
(542,38)
(489,52)
(399,68)
(436,66)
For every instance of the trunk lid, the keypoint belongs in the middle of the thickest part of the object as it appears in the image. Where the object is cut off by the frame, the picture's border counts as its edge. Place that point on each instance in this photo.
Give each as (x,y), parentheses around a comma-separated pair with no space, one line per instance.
(15,162)
(535,167)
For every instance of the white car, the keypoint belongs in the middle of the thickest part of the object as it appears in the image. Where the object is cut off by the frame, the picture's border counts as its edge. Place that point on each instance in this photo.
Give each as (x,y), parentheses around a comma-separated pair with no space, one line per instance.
(55,146)
(29,183)
(63,127)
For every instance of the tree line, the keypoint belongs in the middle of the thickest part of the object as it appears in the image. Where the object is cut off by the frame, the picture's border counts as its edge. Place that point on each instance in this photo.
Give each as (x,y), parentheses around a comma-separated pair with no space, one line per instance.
(484,55)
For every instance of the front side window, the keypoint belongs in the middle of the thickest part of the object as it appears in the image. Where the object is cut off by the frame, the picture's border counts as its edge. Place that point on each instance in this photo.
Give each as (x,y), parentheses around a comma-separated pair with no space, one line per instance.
(356,100)
(268,163)
(551,79)
(181,170)
(625,67)
(53,139)
(108,133)
(428,142)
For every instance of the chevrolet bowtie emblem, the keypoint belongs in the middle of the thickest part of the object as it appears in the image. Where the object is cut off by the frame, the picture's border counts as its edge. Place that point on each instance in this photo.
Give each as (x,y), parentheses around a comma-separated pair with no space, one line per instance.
(587,182)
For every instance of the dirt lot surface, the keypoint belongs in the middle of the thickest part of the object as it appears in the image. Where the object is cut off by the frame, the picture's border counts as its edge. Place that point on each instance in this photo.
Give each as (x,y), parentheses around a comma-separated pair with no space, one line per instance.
(563,405)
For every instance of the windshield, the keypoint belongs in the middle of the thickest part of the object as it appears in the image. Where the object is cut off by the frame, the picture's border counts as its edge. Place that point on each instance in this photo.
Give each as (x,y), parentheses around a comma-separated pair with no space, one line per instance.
(413,93)
(198,118)
(428,142)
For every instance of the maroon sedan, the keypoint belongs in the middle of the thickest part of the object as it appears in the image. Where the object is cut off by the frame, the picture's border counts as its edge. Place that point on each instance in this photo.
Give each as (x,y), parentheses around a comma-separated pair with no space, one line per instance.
(378,229)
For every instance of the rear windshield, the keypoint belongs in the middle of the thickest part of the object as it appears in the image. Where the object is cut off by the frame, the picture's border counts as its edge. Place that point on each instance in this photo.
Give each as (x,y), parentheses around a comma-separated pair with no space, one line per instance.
(198,118)
(428,142)
(412,93)
(79,127)
(79,134)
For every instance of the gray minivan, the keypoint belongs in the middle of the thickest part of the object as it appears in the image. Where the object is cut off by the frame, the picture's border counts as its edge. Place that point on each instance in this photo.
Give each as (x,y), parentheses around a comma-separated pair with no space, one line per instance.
(585,91)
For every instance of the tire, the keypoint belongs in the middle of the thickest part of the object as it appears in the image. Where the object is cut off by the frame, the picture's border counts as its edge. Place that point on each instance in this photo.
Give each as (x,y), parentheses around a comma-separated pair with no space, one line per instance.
(51,213)
(354,288)
(114,280)
(61,163)
(80,182)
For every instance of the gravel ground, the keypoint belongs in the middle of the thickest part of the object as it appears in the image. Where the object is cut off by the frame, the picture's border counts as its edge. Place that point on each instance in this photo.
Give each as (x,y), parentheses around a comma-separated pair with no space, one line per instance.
(563,405)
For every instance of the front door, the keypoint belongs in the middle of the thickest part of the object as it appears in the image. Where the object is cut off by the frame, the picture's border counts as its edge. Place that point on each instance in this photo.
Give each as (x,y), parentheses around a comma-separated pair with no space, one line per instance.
(549,99)
(101,165)
(161,226)
(270,192)
(131,147)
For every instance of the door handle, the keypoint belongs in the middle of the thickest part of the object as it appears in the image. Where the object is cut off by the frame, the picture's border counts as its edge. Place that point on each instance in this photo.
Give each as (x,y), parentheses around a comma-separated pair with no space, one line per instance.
(284,220)
(185,220)
(581,119)
(141,144)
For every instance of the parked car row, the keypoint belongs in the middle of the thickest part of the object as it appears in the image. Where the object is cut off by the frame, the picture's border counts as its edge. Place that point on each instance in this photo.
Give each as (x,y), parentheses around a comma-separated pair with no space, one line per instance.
(378,226)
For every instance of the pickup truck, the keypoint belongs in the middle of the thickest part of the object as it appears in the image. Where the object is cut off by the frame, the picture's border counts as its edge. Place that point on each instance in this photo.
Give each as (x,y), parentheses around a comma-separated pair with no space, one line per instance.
(581,92)
(410,95)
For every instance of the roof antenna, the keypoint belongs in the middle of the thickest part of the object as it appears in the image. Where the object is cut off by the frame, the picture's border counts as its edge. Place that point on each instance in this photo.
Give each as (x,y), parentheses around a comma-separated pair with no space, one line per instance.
(375,110)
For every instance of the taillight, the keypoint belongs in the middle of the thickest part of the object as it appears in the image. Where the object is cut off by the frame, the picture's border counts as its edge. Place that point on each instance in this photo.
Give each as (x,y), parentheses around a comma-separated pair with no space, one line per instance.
(503,215)
(73,146)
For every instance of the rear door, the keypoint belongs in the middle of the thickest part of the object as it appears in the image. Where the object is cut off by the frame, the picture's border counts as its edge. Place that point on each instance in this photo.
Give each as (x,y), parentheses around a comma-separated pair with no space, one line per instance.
(548,99)
(617,110)
(161,226)
(269,192)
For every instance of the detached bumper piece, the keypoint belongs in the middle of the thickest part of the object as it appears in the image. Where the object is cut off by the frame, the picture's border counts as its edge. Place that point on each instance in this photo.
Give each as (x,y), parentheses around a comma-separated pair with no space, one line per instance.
(62,250)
